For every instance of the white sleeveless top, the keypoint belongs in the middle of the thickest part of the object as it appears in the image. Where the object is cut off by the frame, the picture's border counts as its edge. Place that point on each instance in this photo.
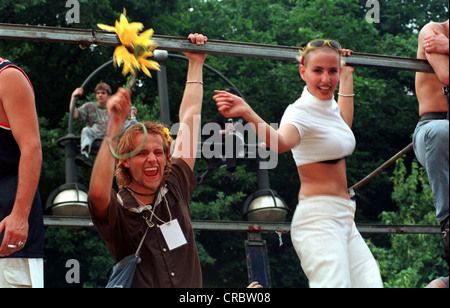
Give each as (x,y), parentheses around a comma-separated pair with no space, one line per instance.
(323,133)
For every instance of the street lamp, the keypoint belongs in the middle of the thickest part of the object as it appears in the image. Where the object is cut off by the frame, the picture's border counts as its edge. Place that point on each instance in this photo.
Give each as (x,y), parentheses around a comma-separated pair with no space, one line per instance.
(265,204)
(68,200)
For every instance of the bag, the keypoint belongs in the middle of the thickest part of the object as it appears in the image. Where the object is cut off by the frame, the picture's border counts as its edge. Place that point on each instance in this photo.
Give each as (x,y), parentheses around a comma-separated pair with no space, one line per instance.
(123,272)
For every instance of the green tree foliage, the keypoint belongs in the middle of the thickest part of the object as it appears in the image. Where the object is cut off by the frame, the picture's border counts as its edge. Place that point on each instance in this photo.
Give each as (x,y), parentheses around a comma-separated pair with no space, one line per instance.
(385,111)
(83,245)
(411,261)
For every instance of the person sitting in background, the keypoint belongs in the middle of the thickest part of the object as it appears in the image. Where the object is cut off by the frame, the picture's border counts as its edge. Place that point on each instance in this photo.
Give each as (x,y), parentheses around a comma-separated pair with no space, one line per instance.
(95,116)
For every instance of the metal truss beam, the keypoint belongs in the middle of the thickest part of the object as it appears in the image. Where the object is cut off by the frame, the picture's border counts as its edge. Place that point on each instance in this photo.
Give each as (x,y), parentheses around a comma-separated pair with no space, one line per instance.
(248,226)
(86,37)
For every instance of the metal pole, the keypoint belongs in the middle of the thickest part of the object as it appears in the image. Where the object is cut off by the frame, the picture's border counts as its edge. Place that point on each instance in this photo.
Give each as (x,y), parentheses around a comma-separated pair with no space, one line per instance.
(257,259)
(88,37)
(264,227)
(70,152)
(263,174)
(163,94)
(382,167)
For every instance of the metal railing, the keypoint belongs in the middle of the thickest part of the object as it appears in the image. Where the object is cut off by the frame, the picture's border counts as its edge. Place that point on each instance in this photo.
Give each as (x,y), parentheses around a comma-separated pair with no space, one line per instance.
(87,37)
(249,226)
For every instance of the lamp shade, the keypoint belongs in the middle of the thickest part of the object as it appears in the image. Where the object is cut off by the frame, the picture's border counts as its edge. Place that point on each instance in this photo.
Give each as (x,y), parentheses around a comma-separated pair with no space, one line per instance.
(68,200)
(265,205)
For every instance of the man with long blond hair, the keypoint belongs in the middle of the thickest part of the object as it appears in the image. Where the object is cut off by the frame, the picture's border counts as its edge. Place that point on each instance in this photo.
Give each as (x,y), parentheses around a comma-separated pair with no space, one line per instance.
(155,188)
(123,174)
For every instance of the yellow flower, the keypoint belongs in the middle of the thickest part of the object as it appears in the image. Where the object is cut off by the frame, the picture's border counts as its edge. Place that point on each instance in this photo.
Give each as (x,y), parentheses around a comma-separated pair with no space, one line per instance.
(135,49)
(167,132)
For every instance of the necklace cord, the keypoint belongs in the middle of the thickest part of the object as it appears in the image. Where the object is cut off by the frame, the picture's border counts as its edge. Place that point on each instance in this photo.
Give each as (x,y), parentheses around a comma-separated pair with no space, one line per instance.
(139,194)
(149,220)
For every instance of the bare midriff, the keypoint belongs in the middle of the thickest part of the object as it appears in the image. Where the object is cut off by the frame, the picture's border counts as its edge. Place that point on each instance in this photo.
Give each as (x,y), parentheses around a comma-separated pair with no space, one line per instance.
(324,179)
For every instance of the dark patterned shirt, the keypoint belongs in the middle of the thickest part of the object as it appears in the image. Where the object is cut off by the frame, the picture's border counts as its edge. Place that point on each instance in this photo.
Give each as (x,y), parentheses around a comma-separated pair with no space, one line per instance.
(94,116)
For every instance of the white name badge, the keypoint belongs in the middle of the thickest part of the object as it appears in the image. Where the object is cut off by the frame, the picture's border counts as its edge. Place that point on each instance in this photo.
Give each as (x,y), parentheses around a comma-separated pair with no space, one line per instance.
(173,234)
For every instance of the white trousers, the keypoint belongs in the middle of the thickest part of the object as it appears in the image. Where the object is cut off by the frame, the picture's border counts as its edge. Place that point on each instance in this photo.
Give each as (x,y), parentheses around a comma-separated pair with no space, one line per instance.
(21,273)
(332,252)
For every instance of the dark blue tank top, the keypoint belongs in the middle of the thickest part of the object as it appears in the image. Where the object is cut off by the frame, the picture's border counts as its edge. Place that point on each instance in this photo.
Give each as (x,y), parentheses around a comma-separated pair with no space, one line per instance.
(9,167)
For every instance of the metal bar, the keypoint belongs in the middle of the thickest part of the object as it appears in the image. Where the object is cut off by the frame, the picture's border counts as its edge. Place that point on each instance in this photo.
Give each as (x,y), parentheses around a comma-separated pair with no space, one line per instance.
(389,62)
(398,229)
(86,37)
(66,221)
(248,226)
(240,226)
(46,34)
(386,164)
(257,257)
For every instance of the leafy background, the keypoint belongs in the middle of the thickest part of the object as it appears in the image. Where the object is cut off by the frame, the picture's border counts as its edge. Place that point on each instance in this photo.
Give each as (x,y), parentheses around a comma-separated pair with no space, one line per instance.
(385,117)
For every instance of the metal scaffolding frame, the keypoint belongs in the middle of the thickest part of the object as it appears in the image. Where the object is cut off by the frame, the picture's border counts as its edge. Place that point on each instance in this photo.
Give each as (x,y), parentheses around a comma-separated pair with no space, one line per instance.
(87,37)
(256,249)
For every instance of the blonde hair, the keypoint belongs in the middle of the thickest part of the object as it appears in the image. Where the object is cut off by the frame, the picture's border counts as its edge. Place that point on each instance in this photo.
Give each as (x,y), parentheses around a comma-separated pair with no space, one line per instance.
(319,44)
(303,59)
(126,145)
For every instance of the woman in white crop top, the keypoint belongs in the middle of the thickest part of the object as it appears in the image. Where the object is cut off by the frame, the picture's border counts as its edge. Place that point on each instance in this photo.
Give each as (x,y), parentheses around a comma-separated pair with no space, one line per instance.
(318,131)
